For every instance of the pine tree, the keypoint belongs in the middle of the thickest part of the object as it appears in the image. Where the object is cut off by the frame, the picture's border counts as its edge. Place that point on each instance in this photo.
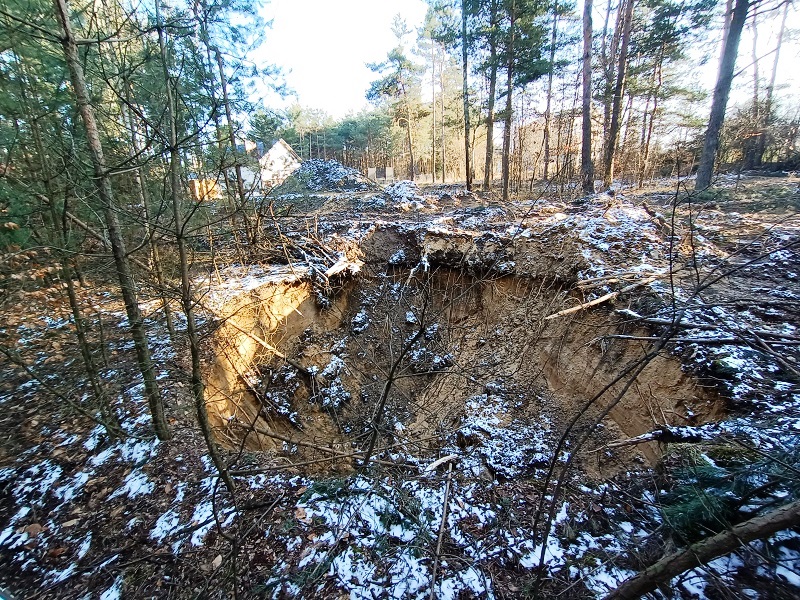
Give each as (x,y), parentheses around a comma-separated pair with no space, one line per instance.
(400,84)
(722,89)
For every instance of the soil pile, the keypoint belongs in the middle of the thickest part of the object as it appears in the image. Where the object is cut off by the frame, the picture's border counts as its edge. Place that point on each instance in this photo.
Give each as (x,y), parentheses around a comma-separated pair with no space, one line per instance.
(321,176)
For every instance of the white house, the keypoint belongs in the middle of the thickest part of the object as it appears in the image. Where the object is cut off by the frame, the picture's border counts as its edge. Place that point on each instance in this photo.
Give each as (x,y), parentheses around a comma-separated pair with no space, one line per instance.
(277,164)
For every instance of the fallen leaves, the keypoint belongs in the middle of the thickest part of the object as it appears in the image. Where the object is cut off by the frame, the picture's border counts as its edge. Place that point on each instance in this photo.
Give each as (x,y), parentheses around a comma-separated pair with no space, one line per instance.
(301,515)
(33,530)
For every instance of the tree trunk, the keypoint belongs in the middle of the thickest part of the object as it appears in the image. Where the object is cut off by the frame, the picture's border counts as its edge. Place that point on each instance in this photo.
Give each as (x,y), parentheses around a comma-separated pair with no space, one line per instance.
(155,258)
(726,28)
(433,112)
(488,167)
(650,124)
(608,54)
(767,118)
(701,553)
(465,90)
(410,139)
(509,107)
(622,65)
(705,169)
(211,85)
(121,261)
(546,133)
(751,142)
(443,144)
(251,227)
(108,417)
(187,301)
(587,166)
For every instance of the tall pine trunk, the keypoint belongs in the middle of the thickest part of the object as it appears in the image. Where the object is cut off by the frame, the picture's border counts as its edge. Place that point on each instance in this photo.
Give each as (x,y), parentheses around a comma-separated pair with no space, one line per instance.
(619,89)
(410,140)
(509,106)
(705,169)
(251,227)
(751,142)
(103,183)
(546,133)
(761,144)
(443,144)
(68,270)
(608,54)
(198,391)
(141,189)
(488,166)
(647,133)
(433,113)
(465,91)
(587,166)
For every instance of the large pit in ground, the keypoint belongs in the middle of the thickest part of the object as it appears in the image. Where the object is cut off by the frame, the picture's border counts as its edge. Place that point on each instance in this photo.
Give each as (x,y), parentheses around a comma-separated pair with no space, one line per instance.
(438,344)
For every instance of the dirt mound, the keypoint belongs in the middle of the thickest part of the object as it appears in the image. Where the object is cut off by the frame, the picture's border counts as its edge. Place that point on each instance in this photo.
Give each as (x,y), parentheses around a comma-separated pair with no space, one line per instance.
(407,196)
(321,176)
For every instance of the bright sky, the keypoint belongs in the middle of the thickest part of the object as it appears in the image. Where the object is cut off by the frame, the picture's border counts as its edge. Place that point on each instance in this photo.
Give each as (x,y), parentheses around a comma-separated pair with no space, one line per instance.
(323,46)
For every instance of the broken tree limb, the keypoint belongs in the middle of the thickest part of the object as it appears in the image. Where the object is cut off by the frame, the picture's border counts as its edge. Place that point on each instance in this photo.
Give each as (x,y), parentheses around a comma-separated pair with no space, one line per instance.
(343,264)
(702,552)
(711,327)
(601,299)
(437,463)
(574,309)
(705,340)
(666,228)
(334,454)
(663,434)
(272,349)
(766,348)
(442,526)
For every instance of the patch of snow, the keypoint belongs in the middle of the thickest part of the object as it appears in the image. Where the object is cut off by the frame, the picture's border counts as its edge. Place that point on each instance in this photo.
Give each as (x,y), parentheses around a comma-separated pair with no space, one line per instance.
(360,322)
(85,545)
(114,592)
(165,525)
(135,484)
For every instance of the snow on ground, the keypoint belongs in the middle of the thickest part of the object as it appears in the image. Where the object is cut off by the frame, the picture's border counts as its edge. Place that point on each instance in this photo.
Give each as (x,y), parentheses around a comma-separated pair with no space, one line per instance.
(218,288)
(507,446)
(405,195)
(375,536)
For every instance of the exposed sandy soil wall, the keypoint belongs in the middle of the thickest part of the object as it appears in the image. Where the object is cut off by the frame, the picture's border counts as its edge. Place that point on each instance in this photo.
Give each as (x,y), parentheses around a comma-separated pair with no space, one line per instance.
(289,377)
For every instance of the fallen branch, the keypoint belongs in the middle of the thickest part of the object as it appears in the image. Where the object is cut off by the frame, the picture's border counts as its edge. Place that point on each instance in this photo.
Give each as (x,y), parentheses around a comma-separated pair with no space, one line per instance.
(601,299)
(766,348)
(335,454)
(442,527)
(706,340)
(272,349)
(672,565)
(664,434)
(666,228)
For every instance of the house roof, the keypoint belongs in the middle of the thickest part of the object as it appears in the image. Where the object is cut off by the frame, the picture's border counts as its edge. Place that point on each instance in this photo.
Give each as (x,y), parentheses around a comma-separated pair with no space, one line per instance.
(282,143)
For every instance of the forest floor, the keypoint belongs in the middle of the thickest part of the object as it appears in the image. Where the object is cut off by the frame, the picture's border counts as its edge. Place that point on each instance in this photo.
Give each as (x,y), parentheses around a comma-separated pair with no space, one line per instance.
(494,324)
